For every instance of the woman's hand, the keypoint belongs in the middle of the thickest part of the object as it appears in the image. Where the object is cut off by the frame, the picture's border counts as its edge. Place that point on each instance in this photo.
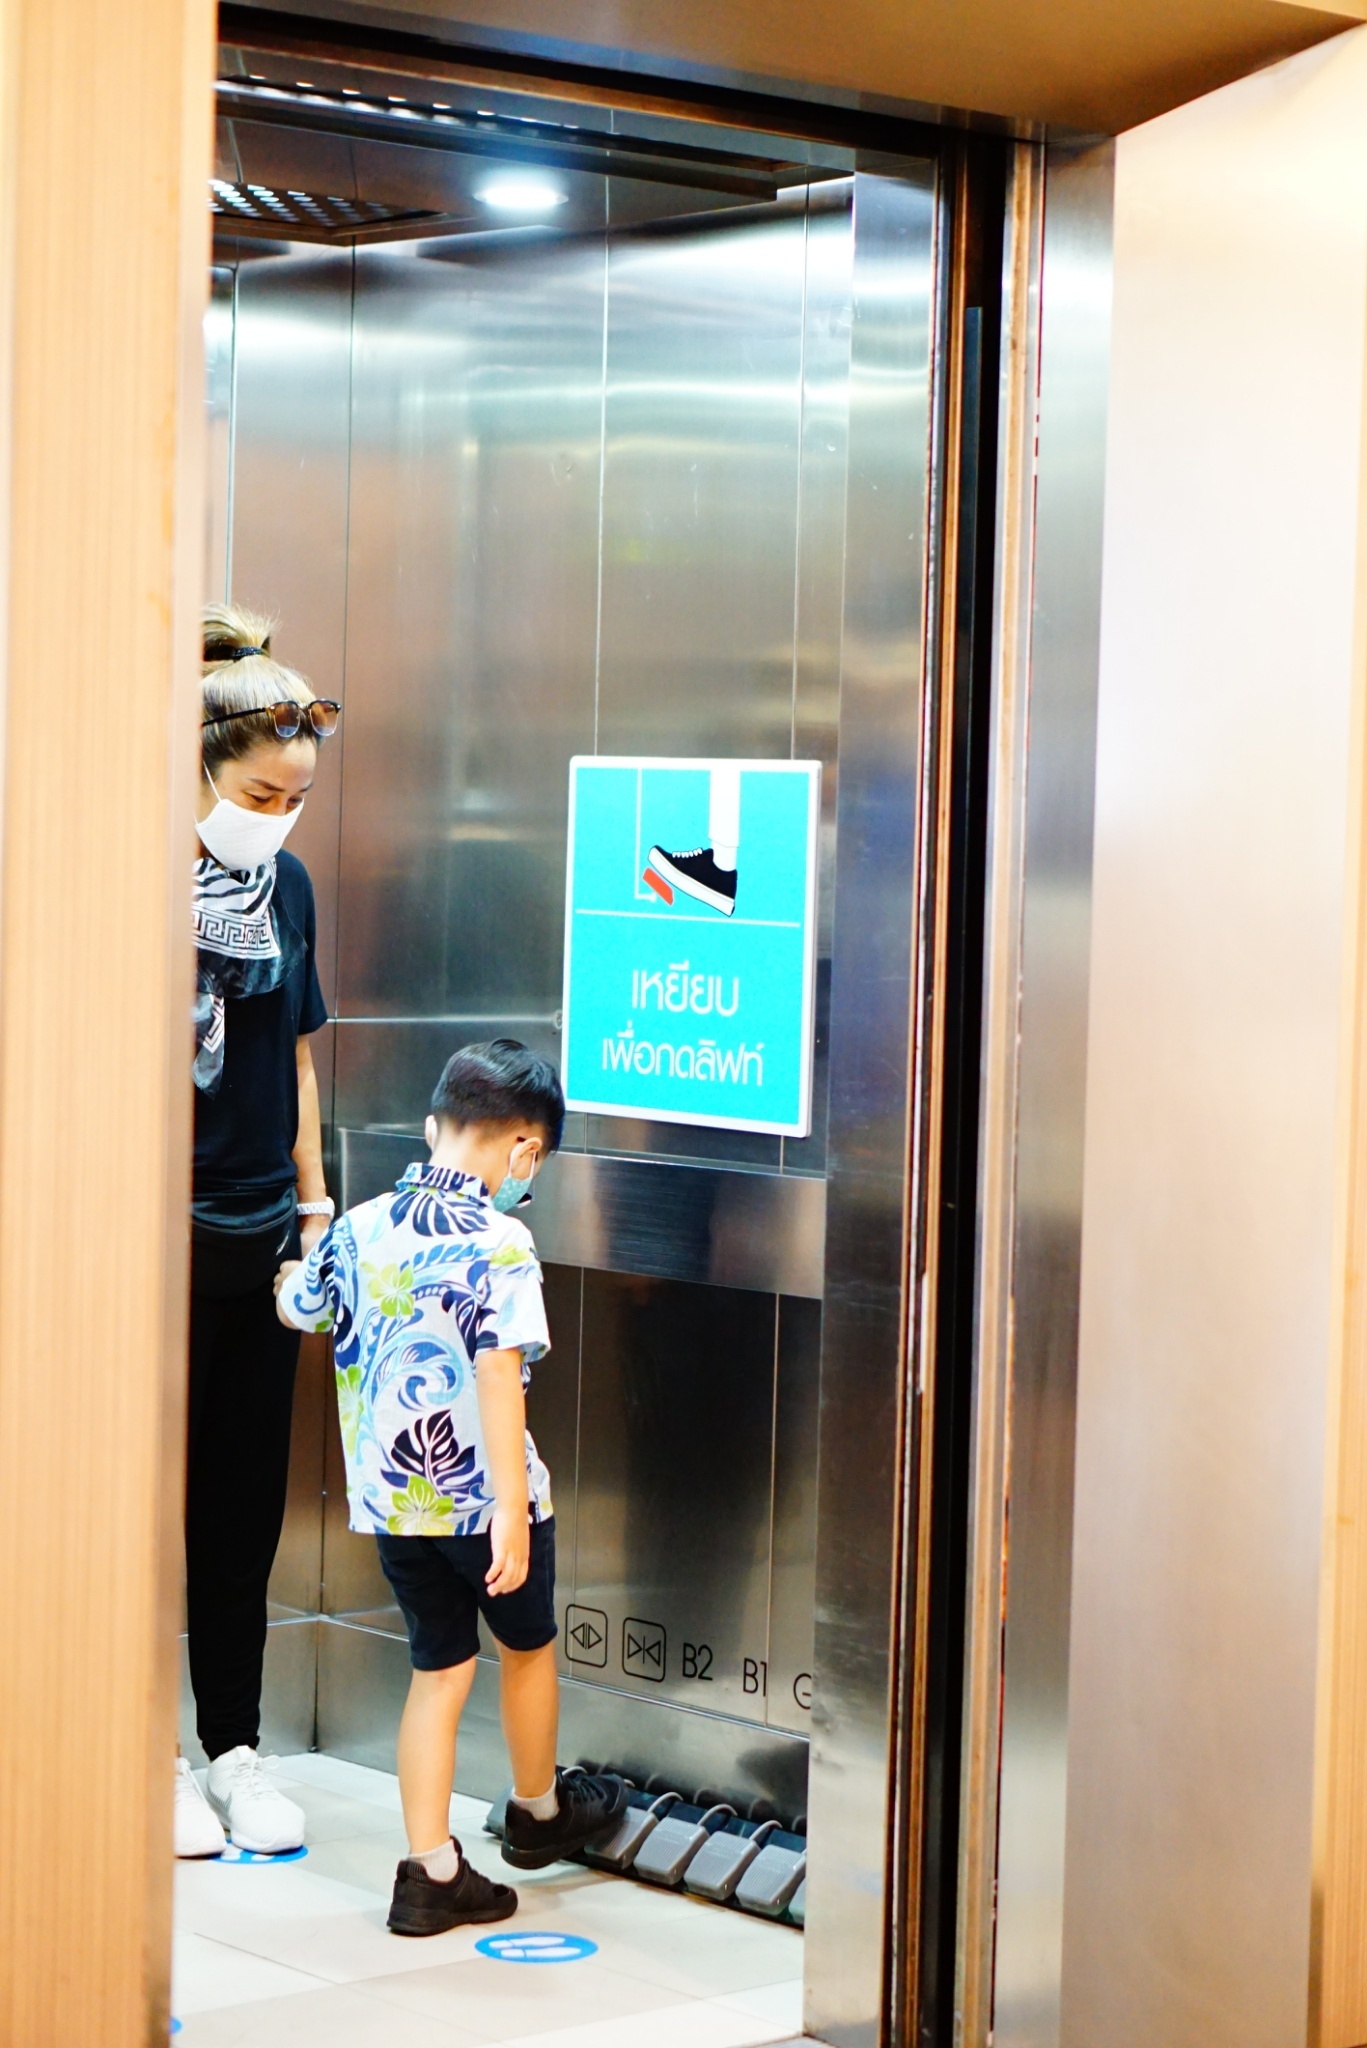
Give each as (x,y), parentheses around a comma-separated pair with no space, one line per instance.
(510,1540)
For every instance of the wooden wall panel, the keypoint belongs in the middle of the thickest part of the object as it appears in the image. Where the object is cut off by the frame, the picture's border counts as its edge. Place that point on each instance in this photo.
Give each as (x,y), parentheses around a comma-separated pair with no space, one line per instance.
(105,141)
(1093,65)
(1338,1986)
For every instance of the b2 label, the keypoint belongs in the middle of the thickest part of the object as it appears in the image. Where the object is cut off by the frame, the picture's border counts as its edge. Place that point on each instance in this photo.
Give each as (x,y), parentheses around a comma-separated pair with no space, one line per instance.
(697,1661)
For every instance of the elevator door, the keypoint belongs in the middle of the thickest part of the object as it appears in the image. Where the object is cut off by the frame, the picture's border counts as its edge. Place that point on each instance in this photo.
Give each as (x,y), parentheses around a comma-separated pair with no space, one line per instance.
(664,492)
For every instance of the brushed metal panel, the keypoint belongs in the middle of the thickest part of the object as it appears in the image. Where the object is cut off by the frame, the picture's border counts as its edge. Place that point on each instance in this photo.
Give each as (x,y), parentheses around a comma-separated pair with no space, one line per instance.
(873,978)
(761,1231)
(363,1681)
(297,1575)
(472,622)
(387,1067)
(1055,938)
(291,436)
(675,1475)
(218,413)
(693,1752)
(792,1576)
(701,442)
(362,1685)
(826,322)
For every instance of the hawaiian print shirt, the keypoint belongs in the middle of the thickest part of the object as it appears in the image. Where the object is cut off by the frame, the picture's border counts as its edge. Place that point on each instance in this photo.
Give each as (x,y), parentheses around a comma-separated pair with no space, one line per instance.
(414,1285)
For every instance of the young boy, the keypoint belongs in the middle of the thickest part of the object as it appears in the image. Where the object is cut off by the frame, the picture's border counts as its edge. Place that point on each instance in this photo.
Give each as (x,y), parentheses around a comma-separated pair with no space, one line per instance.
(433,1294)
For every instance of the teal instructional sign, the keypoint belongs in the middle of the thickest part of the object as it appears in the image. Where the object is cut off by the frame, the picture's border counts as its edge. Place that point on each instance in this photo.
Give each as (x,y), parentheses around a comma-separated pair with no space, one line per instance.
(690,941)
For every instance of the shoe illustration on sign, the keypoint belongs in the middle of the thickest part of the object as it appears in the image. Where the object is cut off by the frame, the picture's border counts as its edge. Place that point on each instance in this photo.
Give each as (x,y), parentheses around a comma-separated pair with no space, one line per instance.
(707,874)
(643,1649)
(586,1635)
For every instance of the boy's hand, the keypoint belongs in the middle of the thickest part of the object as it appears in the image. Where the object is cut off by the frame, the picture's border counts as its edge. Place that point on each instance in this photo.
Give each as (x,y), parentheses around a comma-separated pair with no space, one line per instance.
(290,1266)
(510,1537)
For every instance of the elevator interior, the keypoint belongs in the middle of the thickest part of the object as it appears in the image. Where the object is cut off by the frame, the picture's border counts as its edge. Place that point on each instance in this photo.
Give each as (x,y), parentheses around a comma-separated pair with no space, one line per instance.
(643,468)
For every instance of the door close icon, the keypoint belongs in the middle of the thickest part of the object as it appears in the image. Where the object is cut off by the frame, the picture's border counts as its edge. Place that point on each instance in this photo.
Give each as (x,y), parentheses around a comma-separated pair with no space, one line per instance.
(643,1649)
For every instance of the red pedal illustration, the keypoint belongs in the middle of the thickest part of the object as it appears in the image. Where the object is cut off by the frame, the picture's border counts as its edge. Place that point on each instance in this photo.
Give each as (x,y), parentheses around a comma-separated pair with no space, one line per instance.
(658,884)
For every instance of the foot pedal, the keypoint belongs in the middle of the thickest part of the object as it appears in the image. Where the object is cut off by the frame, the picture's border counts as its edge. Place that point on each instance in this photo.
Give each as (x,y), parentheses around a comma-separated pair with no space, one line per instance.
(674,1842)
(643,1815)
(725,1857)
(797,1905)
(771,1882)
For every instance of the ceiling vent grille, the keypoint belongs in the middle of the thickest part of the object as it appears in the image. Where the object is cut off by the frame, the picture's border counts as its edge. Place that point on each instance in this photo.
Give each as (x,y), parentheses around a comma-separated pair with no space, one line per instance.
(306,216)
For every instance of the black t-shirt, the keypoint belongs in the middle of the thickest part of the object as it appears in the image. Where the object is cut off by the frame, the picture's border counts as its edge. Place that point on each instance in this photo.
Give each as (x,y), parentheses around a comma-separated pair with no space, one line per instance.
(245,1133)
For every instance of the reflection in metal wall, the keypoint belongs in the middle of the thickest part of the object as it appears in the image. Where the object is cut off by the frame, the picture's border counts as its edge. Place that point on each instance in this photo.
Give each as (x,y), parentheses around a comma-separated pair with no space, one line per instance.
(471,631)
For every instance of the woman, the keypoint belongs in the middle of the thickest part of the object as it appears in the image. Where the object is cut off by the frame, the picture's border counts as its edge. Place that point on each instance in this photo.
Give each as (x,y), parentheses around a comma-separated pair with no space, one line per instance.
(259,1198)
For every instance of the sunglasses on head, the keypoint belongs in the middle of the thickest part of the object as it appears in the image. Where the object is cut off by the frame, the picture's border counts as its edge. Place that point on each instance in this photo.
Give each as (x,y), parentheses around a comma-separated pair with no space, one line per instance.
(290,719)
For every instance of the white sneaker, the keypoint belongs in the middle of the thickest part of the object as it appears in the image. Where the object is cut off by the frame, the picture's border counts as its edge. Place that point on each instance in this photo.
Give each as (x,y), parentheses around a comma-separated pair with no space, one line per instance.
(254,1813)
(197,1830)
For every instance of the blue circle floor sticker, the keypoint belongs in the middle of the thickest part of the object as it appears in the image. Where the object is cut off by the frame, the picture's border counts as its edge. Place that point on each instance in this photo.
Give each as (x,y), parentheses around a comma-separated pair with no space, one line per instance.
(536,1948)
(232,1854)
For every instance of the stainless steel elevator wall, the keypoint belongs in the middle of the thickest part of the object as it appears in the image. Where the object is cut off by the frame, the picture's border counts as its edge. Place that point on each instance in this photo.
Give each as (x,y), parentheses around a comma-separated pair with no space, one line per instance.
(576,505)
(546,497)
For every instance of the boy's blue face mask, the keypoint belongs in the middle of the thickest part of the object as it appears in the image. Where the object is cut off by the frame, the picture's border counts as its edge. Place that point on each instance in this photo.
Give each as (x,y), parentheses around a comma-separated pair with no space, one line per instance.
(513,1191)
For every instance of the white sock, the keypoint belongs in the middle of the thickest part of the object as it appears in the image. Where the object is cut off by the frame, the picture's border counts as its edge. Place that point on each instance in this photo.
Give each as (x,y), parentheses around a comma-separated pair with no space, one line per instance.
(441,1864)
(545,1806)
(725,857)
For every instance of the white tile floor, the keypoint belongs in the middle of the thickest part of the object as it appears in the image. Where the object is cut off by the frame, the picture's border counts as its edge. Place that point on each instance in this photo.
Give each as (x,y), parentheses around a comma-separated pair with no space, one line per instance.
(297,1953)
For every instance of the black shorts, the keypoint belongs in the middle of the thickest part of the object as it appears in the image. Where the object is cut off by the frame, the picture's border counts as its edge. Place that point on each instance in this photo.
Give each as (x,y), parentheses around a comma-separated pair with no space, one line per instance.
(438,1581)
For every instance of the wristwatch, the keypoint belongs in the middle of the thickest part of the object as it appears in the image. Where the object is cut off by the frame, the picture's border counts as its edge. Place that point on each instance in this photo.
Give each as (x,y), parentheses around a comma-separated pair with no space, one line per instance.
(327,1207)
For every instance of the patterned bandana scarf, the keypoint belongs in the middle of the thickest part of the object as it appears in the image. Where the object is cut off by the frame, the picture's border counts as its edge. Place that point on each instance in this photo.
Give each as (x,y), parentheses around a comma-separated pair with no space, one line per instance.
(242,952)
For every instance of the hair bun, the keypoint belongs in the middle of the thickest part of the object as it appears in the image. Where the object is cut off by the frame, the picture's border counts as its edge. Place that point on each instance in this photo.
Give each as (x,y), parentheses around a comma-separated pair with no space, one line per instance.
(228,650)
(232,633)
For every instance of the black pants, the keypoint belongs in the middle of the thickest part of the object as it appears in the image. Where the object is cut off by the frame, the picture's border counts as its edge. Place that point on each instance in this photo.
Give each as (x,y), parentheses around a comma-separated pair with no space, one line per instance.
(242,1366)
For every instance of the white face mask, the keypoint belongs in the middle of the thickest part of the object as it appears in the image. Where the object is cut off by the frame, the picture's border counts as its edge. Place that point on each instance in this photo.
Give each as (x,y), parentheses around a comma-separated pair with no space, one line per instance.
(241,839)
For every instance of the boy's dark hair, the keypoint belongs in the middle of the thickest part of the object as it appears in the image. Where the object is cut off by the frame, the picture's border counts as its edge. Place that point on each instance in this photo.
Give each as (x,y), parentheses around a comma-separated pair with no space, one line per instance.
(501,1082)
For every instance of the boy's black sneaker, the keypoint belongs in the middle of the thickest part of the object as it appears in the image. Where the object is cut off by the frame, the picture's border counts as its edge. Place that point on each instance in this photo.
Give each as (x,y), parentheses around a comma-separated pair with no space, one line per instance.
(422,1906)
(589,1809)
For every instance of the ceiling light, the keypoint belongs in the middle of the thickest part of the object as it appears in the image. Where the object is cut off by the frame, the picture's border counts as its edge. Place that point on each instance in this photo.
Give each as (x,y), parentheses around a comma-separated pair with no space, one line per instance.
(521,192)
